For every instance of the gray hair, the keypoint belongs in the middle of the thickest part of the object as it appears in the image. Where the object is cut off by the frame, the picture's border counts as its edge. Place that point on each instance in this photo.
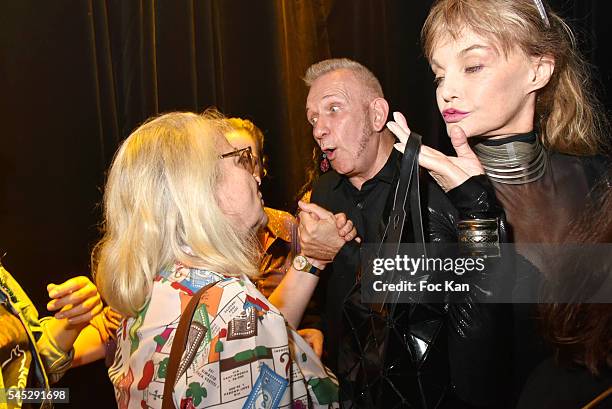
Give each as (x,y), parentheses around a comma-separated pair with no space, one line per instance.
(361,73)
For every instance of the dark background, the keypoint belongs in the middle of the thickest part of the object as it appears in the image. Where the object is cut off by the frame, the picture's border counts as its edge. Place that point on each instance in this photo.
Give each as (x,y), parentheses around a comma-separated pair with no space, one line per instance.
(76,76)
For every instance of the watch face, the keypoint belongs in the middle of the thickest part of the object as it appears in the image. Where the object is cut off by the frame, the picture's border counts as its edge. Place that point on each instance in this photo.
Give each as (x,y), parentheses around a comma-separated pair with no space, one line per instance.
(300,262)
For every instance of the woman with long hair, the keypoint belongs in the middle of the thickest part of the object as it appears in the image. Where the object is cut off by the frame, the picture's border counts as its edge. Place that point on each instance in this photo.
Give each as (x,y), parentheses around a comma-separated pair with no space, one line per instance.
(181,209)
(517,100)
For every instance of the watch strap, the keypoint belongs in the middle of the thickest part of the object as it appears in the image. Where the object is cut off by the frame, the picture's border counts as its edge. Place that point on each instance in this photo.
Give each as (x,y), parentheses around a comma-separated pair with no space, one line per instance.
(314,270)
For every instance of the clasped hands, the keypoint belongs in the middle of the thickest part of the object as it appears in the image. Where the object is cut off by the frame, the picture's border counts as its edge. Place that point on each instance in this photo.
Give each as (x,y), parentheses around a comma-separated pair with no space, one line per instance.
(322,233)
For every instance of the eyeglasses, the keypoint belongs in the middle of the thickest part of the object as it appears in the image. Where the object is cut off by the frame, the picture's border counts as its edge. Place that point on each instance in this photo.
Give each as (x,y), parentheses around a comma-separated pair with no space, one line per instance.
(245,158)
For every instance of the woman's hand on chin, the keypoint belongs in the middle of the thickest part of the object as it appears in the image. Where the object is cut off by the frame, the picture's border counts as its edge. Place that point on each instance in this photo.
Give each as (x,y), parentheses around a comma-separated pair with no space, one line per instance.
(448,171)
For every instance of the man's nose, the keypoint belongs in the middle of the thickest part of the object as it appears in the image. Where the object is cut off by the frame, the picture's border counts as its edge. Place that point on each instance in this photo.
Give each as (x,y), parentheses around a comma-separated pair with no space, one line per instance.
(320,129)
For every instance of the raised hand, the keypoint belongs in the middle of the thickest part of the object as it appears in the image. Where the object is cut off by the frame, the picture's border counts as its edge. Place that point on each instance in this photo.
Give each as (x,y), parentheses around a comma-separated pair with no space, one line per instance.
(77,299)
(448,171)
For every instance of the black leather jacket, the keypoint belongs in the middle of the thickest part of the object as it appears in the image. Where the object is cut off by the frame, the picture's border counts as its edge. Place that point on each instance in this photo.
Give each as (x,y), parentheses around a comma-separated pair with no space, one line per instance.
(444,355)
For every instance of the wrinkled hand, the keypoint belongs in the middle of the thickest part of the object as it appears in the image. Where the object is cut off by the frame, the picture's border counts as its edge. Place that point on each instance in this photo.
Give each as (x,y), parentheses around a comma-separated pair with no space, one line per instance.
(77,299)
(345,227)
(320,234)
(448,171)
(314,337)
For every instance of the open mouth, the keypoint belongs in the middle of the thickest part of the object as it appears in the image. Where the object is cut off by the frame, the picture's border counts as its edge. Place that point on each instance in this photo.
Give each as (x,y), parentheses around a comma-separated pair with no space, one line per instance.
(329,153)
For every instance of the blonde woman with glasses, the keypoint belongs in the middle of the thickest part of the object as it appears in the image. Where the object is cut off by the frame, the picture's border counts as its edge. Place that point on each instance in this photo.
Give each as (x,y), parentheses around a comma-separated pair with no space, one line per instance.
(181,210)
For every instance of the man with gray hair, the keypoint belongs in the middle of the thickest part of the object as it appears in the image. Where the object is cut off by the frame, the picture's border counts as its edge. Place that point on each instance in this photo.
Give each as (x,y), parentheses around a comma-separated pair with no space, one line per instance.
(418,365)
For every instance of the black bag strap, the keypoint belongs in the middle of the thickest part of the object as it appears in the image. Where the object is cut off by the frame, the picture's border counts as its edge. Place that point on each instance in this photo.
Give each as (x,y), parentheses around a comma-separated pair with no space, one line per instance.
(408,186)
(178,346)
(407,199)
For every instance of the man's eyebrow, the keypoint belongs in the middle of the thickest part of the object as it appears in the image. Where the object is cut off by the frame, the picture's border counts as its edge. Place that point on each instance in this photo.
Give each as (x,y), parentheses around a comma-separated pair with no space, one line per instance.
(325,97)
(338,95)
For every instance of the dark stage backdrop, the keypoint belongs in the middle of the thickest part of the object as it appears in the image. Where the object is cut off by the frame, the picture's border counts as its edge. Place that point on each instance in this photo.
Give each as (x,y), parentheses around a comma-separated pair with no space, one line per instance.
(77,76)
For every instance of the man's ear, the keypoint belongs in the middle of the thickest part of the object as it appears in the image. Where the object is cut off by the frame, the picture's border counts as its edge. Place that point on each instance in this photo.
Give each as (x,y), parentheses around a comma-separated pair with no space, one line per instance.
(543,67)
(379,109)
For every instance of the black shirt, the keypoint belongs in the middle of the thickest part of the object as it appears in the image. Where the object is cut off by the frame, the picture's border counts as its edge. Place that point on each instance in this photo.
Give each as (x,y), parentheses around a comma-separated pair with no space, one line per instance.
(365,208)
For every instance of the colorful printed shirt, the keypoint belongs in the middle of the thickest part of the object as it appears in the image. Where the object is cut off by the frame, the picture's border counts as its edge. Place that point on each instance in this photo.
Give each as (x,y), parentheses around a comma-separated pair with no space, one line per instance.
(240,353)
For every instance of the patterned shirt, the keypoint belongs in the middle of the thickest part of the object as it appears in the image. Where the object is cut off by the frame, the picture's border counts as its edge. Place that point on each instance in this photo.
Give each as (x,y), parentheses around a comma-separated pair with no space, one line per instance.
(240,353)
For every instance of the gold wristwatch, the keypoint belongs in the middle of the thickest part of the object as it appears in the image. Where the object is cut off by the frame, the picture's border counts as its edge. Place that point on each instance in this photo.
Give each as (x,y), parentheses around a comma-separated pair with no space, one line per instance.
(301,263)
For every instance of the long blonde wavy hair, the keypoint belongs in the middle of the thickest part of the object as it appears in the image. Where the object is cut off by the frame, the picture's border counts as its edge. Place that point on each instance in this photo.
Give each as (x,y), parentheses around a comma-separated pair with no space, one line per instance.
(160,207)
(568,116)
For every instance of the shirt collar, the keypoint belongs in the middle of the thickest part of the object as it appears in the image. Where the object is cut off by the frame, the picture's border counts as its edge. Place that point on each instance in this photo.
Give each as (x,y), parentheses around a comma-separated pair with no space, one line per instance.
(386,174)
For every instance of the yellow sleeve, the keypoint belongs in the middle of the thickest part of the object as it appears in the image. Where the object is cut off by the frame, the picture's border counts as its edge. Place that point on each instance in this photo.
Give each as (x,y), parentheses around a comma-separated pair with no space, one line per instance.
(55,360)
(107,323)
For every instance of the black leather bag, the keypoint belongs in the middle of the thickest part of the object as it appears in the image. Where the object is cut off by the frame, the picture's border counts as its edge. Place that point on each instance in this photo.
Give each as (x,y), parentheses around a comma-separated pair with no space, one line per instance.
(390,354)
